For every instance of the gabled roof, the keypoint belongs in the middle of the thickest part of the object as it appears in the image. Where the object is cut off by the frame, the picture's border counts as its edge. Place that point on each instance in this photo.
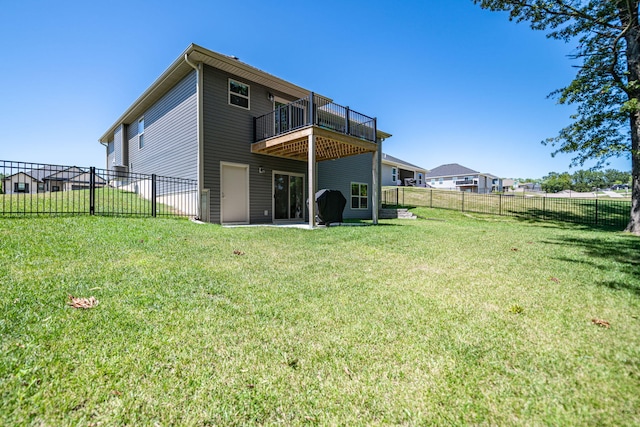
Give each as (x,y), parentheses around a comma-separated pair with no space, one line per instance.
(386,158)
(27,173)
(451,169)
(62,173)
(180,68)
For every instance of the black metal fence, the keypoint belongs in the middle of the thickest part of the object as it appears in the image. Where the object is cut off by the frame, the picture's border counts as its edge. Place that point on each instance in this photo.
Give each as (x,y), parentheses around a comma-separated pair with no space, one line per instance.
(323,113)
(601,212)
(43,189)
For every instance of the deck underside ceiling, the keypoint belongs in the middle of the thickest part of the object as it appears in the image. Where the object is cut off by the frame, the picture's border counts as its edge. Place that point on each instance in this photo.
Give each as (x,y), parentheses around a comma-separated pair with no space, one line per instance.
(329,145)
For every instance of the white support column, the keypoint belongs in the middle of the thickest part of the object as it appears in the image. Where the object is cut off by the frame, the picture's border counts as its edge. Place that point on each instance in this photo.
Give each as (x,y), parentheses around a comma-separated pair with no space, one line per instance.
(312,180)
(374,184)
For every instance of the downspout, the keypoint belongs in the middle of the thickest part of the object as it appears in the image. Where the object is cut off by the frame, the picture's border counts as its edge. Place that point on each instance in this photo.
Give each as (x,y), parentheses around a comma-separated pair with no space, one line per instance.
(106,151)
(200,167)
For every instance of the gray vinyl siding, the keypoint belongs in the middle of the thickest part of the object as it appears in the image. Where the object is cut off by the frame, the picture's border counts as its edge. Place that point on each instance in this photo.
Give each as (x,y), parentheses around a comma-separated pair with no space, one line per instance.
(111,155)
(170,134)
(118,140)
(228,135)
(386,175)
(339,174)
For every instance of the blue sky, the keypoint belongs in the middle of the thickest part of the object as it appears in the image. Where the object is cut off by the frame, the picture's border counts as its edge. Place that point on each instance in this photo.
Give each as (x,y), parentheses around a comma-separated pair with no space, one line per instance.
(453,83)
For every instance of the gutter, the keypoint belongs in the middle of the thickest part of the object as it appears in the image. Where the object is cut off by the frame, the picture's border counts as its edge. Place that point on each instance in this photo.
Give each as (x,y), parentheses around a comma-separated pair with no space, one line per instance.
(199,133)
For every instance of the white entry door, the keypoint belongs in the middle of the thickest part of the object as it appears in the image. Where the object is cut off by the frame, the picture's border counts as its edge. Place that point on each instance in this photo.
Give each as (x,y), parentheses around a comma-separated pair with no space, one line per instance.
(234,193)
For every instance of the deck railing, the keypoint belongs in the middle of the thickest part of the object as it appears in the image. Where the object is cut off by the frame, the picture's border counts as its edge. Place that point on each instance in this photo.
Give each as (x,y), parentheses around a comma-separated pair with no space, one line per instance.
(317,111)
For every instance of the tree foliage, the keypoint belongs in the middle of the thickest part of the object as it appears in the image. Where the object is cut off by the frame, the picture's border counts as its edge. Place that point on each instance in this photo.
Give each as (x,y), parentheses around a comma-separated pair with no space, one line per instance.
(555,182)
(584,180)
(606,89)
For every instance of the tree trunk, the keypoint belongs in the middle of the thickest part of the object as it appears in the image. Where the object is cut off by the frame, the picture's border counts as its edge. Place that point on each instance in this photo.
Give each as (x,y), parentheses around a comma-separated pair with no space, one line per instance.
(628,12)
(634,221)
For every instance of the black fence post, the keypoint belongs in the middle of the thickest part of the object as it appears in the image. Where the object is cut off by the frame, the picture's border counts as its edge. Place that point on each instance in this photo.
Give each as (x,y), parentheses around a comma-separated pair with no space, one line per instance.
(92,190)
(311,118)
(596,210)
(544,207)
(431,197)
(463,201)
(397,195)
(500,204)
(153,195)
(346,122)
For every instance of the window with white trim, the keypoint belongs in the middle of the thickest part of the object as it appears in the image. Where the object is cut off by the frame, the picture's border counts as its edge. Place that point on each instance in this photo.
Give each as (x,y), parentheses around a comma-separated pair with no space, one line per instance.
(359,195)
(239,94)
(140,133)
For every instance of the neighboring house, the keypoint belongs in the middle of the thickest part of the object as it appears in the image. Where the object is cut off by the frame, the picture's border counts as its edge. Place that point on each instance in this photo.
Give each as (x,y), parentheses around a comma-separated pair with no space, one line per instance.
(256,144)
(529,186)
(508,184)
(399,172)
(49,178)
(457,177)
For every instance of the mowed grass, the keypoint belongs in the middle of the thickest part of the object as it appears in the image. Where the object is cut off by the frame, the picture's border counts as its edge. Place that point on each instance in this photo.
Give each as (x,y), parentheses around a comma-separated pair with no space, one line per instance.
(602,211)
(449,319)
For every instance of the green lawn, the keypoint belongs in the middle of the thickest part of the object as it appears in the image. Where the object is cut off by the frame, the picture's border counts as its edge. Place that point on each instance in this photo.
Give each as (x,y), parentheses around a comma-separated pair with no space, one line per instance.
(448,319)
(108,201)
(607,212)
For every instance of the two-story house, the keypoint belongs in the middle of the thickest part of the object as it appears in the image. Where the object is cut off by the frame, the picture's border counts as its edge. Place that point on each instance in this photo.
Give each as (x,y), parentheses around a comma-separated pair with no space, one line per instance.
(457,177)
(257,145)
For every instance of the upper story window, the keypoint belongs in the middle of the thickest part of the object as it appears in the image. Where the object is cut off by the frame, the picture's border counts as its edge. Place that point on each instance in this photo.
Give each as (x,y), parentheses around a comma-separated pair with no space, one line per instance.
(110,147)
(141,133)
(238,94)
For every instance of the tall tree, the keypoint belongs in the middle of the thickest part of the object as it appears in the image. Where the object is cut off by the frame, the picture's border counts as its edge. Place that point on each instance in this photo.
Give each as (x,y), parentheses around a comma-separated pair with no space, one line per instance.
(555,182)
(606,88)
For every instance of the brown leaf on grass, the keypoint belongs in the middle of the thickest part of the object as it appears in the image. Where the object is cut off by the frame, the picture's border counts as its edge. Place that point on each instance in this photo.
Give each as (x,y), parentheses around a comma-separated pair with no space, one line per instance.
(237,252)
(82,302)
(348,372)
(554,279)
(514,249)
(116,393)
(601,322)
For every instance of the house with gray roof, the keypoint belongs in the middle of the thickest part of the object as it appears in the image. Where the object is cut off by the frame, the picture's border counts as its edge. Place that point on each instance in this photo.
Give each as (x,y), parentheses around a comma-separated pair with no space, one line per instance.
(47,178)
(395,171)
(257,145)
(454,176)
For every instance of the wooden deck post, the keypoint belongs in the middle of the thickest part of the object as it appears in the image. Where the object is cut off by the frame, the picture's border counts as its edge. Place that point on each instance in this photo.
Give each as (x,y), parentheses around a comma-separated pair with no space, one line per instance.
(375,172)
(312,179)
(374,186)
